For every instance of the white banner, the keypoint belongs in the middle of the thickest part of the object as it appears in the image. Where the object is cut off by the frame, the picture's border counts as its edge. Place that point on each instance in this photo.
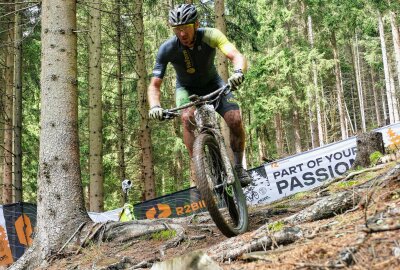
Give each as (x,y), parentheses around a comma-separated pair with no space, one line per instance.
(309,169)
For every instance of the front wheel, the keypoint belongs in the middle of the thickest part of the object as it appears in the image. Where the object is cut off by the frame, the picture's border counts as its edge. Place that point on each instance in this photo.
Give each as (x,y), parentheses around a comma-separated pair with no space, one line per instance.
(225,203)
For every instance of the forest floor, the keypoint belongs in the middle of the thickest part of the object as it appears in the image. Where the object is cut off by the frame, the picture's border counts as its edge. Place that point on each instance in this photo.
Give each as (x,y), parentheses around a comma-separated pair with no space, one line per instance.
(365,236)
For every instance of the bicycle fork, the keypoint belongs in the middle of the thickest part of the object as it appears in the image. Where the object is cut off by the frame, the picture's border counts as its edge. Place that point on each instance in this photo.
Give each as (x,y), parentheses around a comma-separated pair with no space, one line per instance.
(206,119)
(227,161)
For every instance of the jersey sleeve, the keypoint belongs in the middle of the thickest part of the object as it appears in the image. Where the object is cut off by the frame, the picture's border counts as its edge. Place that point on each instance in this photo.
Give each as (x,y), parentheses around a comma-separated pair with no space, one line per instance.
(216,39)
(161,63)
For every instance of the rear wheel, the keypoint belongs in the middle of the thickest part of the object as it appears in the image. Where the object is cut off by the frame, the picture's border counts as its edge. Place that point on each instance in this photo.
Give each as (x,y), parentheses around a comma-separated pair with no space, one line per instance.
(225,203)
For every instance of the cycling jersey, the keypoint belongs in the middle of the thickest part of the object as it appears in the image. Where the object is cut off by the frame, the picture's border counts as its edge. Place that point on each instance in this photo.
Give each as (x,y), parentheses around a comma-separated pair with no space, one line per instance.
(195,69)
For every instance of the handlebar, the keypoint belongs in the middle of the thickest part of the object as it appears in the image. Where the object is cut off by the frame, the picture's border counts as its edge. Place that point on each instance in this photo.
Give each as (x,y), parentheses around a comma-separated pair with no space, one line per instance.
(197,100)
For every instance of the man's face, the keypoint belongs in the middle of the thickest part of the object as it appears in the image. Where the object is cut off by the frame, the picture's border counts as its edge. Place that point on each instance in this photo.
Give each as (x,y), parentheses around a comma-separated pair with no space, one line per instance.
(185,33)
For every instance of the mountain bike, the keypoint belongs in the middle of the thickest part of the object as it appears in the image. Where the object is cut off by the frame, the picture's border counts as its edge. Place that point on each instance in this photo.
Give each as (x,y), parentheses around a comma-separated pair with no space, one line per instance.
(214,175)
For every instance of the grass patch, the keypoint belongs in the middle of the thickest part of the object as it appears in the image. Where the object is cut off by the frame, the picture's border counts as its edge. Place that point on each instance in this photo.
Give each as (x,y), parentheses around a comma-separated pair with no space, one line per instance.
(300,195)
(343,185)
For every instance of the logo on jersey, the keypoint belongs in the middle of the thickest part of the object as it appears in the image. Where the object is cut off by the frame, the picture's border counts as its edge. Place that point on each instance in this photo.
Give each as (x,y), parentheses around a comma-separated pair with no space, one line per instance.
(189,63)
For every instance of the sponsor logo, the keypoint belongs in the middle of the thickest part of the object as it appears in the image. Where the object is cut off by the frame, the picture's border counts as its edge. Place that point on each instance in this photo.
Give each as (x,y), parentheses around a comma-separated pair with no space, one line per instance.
(189,65)
(190,208)
(159,211)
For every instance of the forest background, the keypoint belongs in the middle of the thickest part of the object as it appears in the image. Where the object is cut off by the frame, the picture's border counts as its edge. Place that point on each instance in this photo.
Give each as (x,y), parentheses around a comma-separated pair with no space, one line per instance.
(319,71)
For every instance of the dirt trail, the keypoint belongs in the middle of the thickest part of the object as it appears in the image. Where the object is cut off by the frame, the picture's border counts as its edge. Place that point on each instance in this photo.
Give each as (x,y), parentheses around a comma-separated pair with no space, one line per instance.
(362,235)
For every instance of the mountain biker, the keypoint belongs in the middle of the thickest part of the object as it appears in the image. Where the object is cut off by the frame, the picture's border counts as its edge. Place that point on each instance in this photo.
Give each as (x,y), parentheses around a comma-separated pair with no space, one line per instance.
(191,52)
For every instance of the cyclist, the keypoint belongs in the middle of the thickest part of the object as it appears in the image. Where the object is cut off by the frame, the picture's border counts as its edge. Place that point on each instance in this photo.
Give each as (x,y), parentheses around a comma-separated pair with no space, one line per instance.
(191,52)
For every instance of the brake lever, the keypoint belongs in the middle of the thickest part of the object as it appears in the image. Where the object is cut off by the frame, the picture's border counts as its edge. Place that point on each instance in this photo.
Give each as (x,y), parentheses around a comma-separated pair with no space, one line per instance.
(170,115)
(226,90)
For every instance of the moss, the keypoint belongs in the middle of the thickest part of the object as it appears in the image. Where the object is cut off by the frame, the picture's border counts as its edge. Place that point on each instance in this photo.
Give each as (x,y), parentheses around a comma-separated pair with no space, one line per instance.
(163,235)
(281,206)
(276,226)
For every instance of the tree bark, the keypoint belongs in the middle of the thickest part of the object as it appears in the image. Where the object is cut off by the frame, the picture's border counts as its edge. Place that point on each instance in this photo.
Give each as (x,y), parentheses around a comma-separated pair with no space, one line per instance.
(279,135)
(315,91)
(60,207)
(8,110)
(296,129)
(17,147)
(390,93)
(3,53)
(339,87)
(96,194)
(222,66)
(368,143)
(120,98)
(360,91)
(147,169)
(396,43)
(377,104)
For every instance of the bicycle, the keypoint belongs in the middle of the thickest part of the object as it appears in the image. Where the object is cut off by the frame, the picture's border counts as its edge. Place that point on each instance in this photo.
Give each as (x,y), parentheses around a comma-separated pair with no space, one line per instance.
(250,193)
(214,175)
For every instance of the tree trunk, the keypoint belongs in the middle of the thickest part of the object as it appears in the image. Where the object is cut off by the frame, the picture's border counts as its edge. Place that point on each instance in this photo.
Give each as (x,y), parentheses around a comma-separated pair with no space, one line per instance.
(357,71)
(178,160)
(3,53)
(296,129)
(8,111)
(279,135)
(396,43)
(60,208)
(222,66)
(120,98)
(96,195)
(368,143)
(377,104)
(18,106)
(390,93)
(339,87)
(315,91)
(262,148)
(145,135)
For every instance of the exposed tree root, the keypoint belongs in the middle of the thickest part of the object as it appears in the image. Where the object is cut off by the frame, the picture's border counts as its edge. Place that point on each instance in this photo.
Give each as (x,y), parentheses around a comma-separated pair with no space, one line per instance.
(325,208)
(28,261)
(180,236)
(254,241)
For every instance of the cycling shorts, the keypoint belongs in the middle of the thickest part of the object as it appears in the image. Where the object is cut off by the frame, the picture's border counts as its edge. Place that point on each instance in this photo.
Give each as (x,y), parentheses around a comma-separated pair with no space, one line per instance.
(226,103)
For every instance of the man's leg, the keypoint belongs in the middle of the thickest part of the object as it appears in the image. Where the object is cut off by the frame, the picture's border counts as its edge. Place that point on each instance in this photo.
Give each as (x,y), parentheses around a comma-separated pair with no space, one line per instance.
(234,121)
(188,137)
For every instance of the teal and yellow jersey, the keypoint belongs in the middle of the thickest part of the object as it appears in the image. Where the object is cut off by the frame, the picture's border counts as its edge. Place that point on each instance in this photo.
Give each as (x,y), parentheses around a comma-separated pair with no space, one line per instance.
(195,68)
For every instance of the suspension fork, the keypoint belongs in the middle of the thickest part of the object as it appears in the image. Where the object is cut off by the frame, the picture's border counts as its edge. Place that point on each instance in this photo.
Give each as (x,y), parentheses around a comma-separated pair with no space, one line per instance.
(225,157)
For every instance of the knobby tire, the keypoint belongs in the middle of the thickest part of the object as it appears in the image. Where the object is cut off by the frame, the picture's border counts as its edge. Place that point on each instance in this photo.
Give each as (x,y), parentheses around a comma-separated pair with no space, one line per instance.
(210,172)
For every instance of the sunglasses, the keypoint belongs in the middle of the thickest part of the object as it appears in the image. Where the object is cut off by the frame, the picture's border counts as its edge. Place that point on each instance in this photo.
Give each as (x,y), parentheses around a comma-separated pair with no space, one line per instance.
(182,28)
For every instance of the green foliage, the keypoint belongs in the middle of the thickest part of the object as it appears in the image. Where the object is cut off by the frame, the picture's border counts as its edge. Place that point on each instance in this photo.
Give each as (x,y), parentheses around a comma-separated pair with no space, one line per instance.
(374,157)
(273,35)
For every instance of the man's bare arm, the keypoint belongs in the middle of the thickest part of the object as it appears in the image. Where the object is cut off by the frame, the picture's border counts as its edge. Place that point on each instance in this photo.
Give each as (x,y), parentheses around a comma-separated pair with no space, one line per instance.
(154,92)
(238,60)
